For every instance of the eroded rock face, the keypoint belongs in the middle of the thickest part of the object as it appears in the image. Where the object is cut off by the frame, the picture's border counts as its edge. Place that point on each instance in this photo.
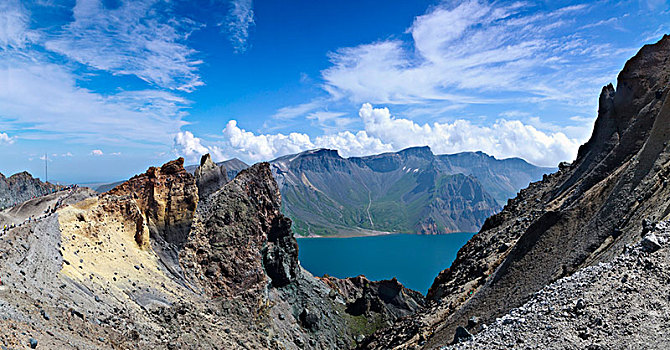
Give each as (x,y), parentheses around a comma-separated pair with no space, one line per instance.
(209,177)
(241,238)
(585,213)
(388,297)
(166,197)
(21,187)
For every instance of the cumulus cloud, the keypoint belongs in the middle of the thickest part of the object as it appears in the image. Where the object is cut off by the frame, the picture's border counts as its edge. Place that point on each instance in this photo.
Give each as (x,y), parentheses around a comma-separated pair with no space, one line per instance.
(264,146)
(5,139)
(137,38)
(97,152)
(383,133)
(189,146)
(353,144)
(503,139)
(239,22)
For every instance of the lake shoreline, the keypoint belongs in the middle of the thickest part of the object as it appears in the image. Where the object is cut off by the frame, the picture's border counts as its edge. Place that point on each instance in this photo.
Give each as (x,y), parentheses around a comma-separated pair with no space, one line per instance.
(380,234)
(413,259)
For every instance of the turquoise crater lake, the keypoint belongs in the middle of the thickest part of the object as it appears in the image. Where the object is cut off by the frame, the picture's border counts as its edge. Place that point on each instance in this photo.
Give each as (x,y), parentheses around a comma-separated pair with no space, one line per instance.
(415,260)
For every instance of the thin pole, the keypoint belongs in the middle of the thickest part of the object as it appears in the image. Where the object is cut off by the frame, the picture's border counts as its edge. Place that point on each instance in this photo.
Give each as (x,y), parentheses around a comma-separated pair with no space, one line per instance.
(46,168)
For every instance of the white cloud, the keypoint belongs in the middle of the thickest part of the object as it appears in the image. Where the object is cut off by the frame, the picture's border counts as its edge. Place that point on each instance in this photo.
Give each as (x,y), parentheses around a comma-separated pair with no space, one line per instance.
(384,132)
(503,139)
(474,52)
(44,102)
(292,112)
(265,146)
(96,152)
(138,38)
(353,144)
(240,20)
(330,121)
(5,139)
(191,148)
(13,25)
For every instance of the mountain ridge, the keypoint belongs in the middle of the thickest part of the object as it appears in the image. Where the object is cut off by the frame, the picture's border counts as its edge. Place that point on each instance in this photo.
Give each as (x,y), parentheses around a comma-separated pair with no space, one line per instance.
(409,191)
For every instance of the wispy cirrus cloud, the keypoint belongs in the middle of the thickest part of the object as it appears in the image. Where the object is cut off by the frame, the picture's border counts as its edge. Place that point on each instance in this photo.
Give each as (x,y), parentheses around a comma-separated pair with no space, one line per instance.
(43,101)
(300,110)
(42,98)
(13,25)
(475,52)
(239,22)
(139,38)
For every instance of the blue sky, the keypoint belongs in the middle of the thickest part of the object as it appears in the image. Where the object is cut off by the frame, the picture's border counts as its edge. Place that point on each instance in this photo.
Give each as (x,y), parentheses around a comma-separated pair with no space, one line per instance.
(110,87)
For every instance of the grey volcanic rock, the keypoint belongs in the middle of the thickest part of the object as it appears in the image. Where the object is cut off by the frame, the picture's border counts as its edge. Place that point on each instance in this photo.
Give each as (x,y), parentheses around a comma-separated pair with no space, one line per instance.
(21,187)
(232,167)
(609,305)
(586,213)
(388,297)
(209,177)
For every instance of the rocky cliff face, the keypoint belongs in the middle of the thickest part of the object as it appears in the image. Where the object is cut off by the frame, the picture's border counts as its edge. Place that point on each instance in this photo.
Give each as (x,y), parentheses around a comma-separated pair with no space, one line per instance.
(20,187)
(166,197)
(209,177)
(586,213)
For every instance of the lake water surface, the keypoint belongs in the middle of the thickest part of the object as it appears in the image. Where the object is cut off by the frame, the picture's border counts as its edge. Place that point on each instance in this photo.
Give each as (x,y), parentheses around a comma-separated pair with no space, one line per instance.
(415,260)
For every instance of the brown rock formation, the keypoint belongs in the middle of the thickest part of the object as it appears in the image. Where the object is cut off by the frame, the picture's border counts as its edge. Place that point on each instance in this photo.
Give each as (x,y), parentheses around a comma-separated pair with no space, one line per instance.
(166,197)
(241,234)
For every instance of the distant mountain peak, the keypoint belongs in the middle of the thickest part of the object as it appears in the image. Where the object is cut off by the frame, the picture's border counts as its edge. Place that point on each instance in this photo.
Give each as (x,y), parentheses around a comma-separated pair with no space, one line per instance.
(322,152)
(21,187)
(418,151)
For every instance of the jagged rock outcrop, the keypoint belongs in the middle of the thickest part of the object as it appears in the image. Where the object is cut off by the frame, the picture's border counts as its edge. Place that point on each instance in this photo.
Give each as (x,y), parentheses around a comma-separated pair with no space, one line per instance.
(209,177)
(239,238)
(166,197)
(586,213)
(388,297)
(232,167)
(20,187)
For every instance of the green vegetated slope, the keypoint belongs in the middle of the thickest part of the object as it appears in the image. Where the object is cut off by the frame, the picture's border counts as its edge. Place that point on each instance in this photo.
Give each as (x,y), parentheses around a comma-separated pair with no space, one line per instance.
(411,191)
